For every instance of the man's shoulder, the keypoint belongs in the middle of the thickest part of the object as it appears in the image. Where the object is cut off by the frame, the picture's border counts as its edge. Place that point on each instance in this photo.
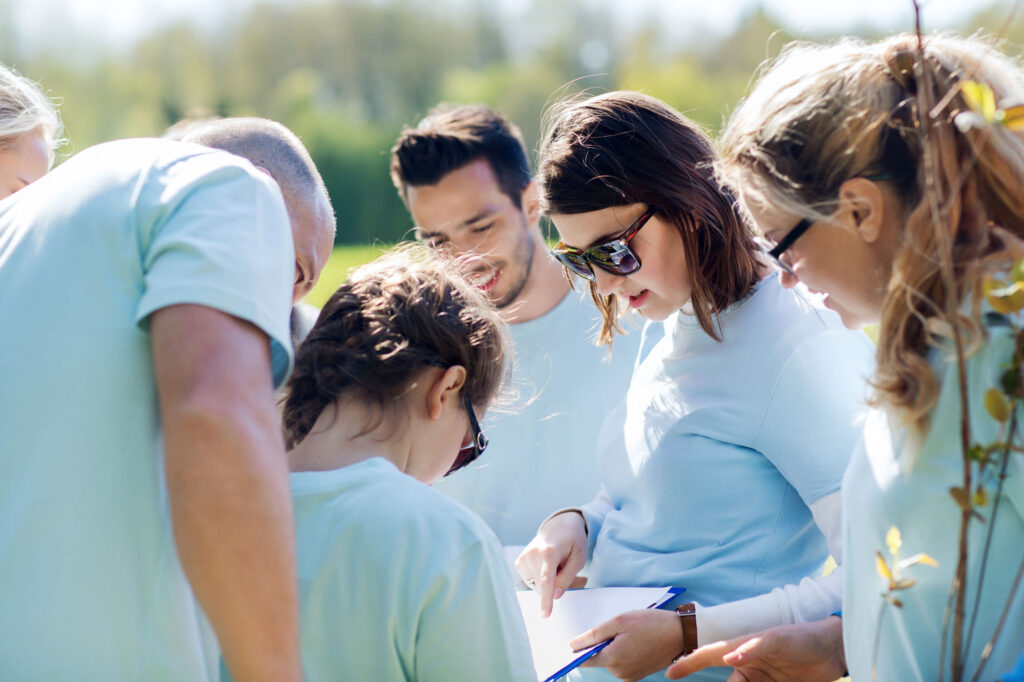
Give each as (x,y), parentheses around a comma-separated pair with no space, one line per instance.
(153,160)
(134,153)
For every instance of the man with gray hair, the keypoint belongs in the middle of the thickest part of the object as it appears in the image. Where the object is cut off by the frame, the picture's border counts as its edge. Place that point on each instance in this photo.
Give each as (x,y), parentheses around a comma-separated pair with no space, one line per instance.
(145,521)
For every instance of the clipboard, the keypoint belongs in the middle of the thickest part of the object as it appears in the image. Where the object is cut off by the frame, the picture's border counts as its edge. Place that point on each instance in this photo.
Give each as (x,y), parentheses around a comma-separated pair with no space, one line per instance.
(576,612)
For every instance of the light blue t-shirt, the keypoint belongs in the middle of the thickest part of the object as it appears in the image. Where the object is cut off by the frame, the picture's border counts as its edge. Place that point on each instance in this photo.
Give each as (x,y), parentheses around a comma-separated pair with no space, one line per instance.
(397,582)
(889,485)
(93,589)
(712,459)
(1017,674)
(541,455)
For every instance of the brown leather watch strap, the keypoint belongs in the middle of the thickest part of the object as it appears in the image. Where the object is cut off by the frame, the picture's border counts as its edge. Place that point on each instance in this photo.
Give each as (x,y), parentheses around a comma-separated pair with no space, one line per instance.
(688,619)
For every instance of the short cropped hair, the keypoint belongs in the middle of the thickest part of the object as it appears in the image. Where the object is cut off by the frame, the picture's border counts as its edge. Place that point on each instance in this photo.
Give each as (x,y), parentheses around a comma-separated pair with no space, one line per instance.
(452,136)
(267,144)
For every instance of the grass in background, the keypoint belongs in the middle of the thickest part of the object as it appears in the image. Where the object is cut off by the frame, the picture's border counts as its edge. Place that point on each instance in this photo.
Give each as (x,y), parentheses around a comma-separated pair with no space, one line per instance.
(342,260)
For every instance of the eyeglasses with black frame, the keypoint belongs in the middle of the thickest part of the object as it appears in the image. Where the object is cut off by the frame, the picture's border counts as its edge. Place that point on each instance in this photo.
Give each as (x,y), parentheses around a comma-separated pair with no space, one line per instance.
(614,256)
(774,251)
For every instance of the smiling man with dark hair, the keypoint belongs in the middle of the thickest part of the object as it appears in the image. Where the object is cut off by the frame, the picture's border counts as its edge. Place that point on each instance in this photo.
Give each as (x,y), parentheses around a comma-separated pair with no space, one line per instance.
(464,175)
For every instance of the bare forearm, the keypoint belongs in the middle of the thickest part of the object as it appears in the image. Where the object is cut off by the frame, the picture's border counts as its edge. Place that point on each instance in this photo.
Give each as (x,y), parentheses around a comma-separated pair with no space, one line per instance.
(231,510)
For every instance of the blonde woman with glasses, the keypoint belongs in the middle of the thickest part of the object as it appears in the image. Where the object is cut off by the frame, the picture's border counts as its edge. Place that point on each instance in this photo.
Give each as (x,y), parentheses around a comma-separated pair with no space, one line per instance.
(890,177)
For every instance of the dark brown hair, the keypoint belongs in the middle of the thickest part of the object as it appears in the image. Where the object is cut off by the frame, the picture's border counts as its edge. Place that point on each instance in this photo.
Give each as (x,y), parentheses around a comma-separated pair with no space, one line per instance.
(451,137)
(624,148)
(405,311)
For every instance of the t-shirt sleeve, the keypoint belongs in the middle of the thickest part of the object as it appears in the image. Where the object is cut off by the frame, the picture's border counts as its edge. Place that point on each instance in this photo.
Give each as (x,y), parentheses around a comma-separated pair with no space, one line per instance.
(815,413)
(213,231)
(594,514)
(471,627)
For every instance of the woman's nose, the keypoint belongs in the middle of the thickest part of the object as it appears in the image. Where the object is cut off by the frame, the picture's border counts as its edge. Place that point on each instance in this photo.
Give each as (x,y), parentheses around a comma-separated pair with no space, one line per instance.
(606,283)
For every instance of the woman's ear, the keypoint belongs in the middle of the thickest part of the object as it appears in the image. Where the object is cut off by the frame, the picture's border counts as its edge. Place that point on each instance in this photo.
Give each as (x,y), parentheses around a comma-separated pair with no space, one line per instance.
(862,207)
(444,391)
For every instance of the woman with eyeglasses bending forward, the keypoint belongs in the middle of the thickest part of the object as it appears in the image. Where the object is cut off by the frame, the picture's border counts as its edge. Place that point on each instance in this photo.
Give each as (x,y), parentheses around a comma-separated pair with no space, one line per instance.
(722,464)
(914,198)
(396,581)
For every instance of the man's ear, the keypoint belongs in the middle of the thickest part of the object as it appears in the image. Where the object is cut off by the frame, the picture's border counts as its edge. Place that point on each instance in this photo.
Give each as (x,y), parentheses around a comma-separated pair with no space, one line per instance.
(530,201)
(444,391)
(862,207)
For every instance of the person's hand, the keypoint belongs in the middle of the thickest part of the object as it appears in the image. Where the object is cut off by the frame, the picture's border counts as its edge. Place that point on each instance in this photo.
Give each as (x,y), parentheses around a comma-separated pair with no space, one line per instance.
(553,558)
(645,641)
(808,652)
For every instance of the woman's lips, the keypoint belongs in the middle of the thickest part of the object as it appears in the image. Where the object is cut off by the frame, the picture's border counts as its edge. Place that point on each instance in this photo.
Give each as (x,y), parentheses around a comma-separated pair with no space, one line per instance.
(637,300)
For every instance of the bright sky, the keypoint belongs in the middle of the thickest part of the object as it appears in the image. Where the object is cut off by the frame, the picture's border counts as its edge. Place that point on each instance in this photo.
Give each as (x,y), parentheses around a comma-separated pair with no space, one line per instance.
(120,21)
(812,15)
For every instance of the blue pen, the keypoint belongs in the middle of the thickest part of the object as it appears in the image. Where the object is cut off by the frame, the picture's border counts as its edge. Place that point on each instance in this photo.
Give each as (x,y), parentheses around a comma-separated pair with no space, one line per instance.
(671,594)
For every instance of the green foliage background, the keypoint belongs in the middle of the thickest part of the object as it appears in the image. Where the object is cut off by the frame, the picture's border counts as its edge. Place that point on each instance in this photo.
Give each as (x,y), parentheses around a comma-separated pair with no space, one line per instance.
(346,75)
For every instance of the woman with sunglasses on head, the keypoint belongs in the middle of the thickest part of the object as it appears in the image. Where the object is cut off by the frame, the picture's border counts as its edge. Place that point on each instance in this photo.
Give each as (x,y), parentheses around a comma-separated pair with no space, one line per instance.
(722,464)
(909,200)
(396,581)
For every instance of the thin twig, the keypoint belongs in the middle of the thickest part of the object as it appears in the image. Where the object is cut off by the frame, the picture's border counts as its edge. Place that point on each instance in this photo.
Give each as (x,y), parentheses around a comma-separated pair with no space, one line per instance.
(1011,432)
(878,640)
(932,165)
(1009,20)
(946,615)
(990,645)
(990,531)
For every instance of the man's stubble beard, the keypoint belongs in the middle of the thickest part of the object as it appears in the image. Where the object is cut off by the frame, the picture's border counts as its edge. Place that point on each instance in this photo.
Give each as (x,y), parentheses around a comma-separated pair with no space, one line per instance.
(527,251)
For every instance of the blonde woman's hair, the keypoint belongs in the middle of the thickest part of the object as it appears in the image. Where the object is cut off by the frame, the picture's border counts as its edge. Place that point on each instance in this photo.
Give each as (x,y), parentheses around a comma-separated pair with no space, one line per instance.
(24,108)
(821,115)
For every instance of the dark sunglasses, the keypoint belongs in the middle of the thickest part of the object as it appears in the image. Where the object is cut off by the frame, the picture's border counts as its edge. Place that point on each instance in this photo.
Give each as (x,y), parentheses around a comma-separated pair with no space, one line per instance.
(613,256)
(471,452)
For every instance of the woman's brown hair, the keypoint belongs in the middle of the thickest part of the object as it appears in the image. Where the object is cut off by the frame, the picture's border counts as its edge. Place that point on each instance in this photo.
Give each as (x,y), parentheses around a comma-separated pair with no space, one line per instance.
(821,115)
(405,311)
(623,148)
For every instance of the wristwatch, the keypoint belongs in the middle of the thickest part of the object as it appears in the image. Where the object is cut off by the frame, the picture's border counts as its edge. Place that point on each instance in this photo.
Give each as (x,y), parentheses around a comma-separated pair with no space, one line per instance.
(688,619)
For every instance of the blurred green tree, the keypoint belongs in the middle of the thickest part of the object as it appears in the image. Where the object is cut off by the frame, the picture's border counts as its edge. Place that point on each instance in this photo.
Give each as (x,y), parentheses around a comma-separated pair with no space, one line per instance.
(346,75)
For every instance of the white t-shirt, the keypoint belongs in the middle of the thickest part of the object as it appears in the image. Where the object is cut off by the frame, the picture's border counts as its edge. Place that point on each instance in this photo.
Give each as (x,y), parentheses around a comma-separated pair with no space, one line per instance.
(541,454)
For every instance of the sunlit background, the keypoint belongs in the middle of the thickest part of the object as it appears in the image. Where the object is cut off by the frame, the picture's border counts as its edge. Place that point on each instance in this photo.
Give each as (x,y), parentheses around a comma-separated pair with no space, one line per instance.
(346,75)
